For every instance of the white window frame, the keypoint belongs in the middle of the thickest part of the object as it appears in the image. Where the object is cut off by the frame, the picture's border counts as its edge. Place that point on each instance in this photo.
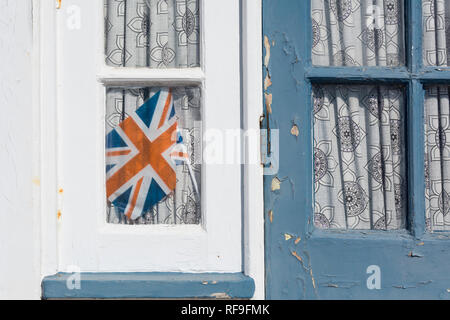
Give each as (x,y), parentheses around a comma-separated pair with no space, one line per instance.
(56,237)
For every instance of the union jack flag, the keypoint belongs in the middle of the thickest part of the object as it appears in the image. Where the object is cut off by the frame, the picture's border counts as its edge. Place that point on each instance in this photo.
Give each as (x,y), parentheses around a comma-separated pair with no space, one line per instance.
(141,156)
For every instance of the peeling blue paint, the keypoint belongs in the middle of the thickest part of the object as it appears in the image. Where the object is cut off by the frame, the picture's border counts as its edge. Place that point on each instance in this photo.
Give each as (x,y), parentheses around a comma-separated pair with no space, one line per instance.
(332,264)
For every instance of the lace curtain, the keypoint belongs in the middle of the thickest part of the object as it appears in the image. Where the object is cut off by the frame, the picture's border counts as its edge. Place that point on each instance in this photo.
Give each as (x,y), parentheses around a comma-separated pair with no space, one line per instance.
(359,157)
(437,158)
(183,205)
(436,32)
(436,52)
(358,33)
(152,33)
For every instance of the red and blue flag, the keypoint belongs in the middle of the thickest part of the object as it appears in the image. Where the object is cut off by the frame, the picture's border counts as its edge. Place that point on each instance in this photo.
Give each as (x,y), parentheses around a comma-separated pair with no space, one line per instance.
(142,153)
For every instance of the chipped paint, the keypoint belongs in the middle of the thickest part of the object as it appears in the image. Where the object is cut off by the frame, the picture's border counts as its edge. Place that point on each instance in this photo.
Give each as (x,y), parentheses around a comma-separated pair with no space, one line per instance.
(295,254)
(61,191)
(220,295)
(414,255)
(276,184)
(421,244)
(297,240)
(271,216)
(312,278)
(267,82)
(287,237)
(294,130)
(267,47)
(36,181)
(59,215)
(268,97)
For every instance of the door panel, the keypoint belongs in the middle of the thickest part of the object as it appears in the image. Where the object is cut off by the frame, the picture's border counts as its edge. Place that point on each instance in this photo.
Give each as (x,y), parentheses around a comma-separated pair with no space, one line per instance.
(303,262)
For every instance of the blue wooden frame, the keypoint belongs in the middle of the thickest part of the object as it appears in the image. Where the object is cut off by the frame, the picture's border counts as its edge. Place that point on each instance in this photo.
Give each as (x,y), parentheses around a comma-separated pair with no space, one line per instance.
(315,263)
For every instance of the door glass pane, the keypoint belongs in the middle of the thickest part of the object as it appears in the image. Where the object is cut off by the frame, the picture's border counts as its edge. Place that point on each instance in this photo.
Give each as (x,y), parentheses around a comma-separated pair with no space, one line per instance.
(359,157)
(437,158)
(152,33)
(358,33)
(153,162)
(436,32)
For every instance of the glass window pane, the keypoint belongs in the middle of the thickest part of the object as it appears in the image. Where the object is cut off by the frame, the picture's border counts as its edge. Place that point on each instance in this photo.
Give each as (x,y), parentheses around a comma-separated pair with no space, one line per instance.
(437,158)
(153,146)
(436,32)
(152,33)
(359,157)
(358,33)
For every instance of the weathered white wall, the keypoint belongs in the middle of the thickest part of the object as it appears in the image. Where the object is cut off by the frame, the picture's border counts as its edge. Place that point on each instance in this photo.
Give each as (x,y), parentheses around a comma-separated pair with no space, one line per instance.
(19,239)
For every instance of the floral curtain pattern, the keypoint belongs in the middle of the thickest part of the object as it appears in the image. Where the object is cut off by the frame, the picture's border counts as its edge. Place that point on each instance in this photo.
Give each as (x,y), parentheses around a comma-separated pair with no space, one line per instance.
(152,33)
(183,205)
(358,33)
(437,158)
(436,32)
(359,157)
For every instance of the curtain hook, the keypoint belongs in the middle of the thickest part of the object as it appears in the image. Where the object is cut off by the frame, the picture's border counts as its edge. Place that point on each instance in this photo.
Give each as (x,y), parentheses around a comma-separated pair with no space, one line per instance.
(59,4)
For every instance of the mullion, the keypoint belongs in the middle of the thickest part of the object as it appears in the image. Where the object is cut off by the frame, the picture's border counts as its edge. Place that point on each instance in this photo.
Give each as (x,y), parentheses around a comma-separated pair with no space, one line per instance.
(414,34)
(416,157)
(415,120)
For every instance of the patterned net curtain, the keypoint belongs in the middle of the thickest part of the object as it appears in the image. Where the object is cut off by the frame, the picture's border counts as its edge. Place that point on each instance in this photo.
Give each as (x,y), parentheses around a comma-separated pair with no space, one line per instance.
(359,157)
(436,32)
(183,205)
(436,52)
(152,33)
(437,158)
(358,33)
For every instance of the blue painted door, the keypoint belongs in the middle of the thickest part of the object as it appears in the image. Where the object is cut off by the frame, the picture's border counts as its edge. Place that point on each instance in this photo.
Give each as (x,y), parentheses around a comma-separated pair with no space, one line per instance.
(302,261)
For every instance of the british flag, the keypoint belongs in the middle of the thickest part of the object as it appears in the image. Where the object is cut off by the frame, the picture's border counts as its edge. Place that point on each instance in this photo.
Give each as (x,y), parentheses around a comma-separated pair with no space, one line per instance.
(141,156)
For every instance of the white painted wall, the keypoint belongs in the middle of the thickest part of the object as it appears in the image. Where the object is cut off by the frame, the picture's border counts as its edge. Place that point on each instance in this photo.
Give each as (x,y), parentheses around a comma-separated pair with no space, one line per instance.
(19,239)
